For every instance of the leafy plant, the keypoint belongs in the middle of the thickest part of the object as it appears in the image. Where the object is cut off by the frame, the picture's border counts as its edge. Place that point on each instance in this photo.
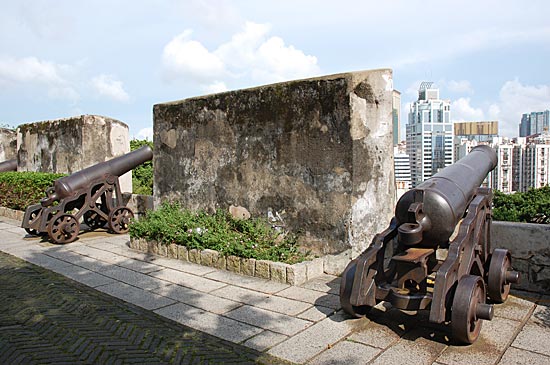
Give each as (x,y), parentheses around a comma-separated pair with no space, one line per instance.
(21,189)
(142,175)
(531,206)
(253,238)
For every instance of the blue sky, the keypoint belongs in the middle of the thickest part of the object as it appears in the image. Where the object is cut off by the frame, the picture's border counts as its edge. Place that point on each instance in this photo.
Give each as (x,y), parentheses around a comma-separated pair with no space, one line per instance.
(118,58)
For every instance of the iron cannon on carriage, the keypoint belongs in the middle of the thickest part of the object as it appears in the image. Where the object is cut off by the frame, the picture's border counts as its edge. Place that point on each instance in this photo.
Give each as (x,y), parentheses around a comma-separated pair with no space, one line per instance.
(91,195)
(9,165)
(436,253)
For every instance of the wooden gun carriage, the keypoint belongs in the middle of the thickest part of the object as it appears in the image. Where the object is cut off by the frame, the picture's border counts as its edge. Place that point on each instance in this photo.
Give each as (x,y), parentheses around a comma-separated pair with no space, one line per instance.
(441,255)
(92,195)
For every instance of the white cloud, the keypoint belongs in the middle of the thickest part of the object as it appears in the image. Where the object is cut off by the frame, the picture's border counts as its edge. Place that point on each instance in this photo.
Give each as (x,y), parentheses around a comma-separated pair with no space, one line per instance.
(215,87)
(188,58)
(462,86)
(108,86)
(249,55)
(35,72)
(145,133)
(461,110)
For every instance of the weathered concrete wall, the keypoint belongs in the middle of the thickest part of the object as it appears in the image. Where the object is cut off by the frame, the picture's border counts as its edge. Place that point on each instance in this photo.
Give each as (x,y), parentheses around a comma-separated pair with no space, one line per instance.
(8,144)
(139,204)
(71,144)
(316,151)
(529,245)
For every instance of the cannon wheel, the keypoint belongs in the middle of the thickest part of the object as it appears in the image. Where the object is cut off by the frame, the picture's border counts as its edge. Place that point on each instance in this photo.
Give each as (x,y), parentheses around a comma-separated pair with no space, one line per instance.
(94,220)
(346,286)
(34,232)
(64,229)
(497,286)
(465,322)
(119,219)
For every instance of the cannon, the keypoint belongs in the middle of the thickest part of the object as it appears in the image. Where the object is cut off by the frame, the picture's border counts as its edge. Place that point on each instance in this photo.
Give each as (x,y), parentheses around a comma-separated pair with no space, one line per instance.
(91,195)
(9,165)
(436,253)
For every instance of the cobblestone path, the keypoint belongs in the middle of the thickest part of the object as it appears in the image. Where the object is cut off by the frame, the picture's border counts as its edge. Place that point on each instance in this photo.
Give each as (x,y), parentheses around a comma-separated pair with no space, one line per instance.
(46,318)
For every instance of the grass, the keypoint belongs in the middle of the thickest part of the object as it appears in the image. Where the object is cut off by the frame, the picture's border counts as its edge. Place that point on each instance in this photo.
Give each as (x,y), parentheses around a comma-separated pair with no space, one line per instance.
(252,238)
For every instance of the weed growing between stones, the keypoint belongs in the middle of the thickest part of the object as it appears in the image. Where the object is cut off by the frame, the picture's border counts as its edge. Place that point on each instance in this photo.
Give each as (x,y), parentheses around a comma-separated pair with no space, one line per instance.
(252,238)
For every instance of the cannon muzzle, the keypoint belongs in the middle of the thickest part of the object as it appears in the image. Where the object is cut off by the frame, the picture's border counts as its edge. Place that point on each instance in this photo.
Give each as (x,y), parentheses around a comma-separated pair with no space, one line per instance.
(9,165)
(116,167)
(433,209)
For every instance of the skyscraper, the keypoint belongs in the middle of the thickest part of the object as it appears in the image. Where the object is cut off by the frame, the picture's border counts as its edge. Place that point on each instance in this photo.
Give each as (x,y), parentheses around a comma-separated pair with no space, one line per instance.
(429,134)
(534,123)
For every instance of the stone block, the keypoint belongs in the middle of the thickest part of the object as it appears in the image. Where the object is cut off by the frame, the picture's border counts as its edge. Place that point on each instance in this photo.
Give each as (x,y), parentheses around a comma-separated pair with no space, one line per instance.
(336,264)
(162,249)
(152,247)
(234,264)
(320,149)
(194,256)
(183,253)
(220,262)
(314,268)
(248,267)
(209,257)
(278,271)
(143,245)
(172,251)
(134,243)
(8,144)
(296,274)
(263,269)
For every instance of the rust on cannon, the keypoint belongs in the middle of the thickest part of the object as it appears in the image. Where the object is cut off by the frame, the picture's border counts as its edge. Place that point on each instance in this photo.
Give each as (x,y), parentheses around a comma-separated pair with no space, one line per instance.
(92,195)
(451,213)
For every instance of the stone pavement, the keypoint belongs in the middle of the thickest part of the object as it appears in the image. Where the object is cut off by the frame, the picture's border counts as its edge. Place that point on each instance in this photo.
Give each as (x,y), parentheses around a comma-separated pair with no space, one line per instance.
(261,319)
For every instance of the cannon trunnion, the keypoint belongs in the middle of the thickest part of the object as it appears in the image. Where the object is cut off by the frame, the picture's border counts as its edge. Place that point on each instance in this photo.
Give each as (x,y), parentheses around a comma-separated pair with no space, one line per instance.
(91,195)
(436,253)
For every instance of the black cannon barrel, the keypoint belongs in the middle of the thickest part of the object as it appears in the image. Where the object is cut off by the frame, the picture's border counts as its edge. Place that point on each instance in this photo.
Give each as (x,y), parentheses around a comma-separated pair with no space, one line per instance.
(118,166)
(446,196)
(9,165)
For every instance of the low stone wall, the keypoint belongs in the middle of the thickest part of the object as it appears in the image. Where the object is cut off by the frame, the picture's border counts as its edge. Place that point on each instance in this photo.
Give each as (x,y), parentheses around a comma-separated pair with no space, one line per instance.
(72,144)
(139,204)
(316,152)
(12,214)
(529,245)
(277,271)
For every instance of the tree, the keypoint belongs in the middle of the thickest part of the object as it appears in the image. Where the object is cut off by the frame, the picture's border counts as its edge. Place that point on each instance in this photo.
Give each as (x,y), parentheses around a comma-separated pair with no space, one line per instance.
(142,175)
(532,206)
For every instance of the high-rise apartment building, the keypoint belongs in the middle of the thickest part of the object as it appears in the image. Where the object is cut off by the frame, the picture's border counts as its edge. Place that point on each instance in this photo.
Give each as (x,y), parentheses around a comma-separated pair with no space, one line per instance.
(482,131)
(536,162)
(429,134)
(402,170)
(534,123)
(396,116)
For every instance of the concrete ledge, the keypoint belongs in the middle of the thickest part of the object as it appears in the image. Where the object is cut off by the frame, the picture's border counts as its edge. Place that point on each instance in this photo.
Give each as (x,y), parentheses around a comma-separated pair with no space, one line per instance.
(12,214)
(276,271)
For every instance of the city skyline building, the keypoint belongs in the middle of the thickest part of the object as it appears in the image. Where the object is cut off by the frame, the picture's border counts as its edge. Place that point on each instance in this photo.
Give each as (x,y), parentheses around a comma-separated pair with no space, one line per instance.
(429,134)
(534,123)
(402,170)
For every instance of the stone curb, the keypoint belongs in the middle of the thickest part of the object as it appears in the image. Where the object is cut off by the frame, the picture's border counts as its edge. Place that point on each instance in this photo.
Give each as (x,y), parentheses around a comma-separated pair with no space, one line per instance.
(12,213)
(296,274)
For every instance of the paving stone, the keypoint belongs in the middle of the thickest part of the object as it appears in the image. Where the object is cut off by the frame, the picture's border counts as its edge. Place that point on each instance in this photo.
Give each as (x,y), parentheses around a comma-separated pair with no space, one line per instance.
(514,356)
(91,264)
(260,300)
(276,322)
(131,277)
(311,296)
(187,280)
(314,268)
(101,255)
(490,345)
(84,276)
(262,285)
(514,308)
(315,339)
(44,260)
(197,299)
(324,283)
(541,314)
(316,313)
(185,266)
(265,340)
(216,325)
(534,337)
(262,269)
(376,335)
(346,352)
(140,266)
(139,297)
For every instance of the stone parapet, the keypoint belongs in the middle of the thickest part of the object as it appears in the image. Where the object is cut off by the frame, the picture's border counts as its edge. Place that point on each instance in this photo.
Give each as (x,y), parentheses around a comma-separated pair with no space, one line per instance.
(8,144)
(316,153)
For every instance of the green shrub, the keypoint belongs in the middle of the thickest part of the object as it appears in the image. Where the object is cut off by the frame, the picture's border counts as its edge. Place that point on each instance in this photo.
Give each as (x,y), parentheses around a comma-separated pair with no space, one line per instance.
(142,175)
(531,206)
(21,189)
(253,238)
